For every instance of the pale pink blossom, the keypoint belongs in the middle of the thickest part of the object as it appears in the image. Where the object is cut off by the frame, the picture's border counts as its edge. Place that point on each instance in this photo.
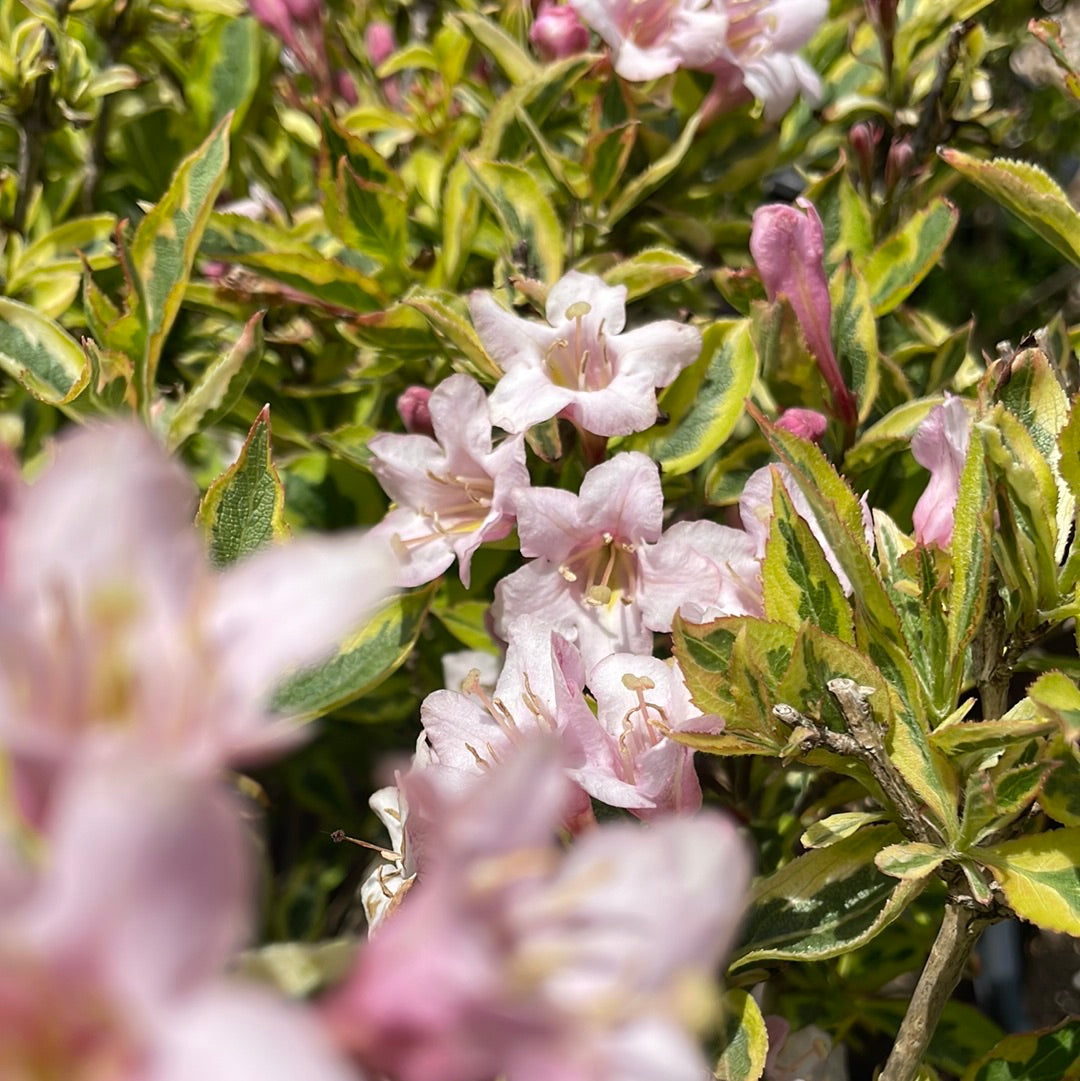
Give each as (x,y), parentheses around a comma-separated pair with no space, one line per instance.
(761,52)
(581,365)
(509,959)
(788,246)
(640,701)
(940,444)
(557,32)
(118,639)
(112,951)
(650,38)
(471,731)
(598,575)
(454,491)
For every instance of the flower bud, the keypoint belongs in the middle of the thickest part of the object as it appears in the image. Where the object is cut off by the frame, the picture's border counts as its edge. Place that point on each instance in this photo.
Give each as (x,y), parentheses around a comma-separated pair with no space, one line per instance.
(415,413)
(379,39)
(275,16)
(557,32)
(805,423)
(304,11)
(899,163)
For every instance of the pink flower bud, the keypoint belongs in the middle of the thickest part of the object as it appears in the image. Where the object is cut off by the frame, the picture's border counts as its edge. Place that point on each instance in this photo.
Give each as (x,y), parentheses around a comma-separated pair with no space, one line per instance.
(275,16)
(379,39)
(899,163)
(415,413)
(805,423)
(304,11)
(345,85)
(557,32)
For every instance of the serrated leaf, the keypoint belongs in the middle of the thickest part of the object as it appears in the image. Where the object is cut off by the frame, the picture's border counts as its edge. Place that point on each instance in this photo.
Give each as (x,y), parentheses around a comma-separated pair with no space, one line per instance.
(1057,698)
(517,65)
(220,386)
(1040,877)
(704,403)
(904,258)
(845,217)
(165,243)
(799,585)
(743,1037)
(454,329)
(910,860)
(225,71)
(40,355)
(1029,193)
(825,903)
(649,270)
(995,797)
(837,827)
(854,335)
(970,737)
(1060,796)
(362,662)
(243,509)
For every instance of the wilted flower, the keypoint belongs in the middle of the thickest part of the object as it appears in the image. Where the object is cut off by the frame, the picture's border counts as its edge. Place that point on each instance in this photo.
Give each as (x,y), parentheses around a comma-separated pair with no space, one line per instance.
(581,365)
(788,246)
(453,491)
(940,445)
(112,949)
(557,32)
(509,959)
(117,638)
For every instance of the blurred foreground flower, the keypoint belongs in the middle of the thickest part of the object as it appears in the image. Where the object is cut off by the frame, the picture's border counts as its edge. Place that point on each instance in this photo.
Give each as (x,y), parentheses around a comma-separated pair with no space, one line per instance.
(581,365)
(940,444)
(118,639)
(112,950)
(510,958)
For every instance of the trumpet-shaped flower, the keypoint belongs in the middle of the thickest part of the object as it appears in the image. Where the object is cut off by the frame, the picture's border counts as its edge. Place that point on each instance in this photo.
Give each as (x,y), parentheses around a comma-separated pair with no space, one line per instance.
(111,953)
(510,960)
(940,444)
(650,38)
(116,636)
(639,702)
(453,491)
(582,365)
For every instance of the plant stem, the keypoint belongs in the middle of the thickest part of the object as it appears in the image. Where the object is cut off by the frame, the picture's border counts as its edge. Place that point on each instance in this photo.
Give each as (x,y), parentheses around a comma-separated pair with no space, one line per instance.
(955,940)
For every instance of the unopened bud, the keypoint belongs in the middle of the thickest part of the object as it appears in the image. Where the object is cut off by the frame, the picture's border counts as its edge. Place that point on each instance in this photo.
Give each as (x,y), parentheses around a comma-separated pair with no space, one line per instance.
(305,11)
(899,163)
(380,43)
(414,409)
(864,138)
(557,32)
(807,424)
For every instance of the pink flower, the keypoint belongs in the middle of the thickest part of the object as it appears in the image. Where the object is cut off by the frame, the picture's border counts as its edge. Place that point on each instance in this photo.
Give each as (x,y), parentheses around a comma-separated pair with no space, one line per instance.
(453,492)
(112,950)
(763,38)
(118,640)
(788,246)
(581,366)
(599,578)
(639,701)
(650,38)
(940,444)
(508,959)
(557,32)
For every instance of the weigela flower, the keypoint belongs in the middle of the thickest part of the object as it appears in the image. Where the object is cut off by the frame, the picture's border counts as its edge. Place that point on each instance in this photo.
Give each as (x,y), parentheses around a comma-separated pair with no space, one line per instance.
(581,365)
(639,702)
(453,492)
(118,639)
(596,574)
(650,38)
(557,32)
(940,444)
(112,948)
(509,959)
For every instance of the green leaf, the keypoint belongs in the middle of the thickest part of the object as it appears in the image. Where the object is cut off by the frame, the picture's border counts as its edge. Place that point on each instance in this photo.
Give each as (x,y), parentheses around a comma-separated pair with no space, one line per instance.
(219,387)
(1060,796)
(225,72)
(650,178)
(1040,877)
(1057,698)
(910,860)
(242,510)
(1029,193)
(905,257)
(799,584)
(974,737)
(704,403)
(40,354)
(1048,1055)
(516,64)
(1069,446)
(844,215)
(454,330)
(854,335)
(825,903)
(466,622)
(650,270)
(165,244)
(524,212)
(362,662)
(971,547)
(837,827)
(995,797)
(743,1037)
